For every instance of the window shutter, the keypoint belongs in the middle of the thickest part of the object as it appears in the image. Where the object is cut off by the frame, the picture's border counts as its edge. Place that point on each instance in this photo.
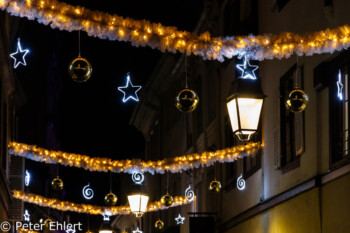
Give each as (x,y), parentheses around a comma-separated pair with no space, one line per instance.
(16,173)
(299,121)
(299,133)
(276,132)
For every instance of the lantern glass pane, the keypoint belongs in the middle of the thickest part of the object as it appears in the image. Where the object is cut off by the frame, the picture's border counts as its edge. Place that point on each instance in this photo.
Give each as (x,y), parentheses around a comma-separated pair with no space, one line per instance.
(249,110)
(232,111)
(138,203)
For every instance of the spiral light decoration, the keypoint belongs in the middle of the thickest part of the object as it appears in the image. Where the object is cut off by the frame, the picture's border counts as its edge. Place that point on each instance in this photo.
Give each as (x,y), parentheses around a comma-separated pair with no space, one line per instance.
(138,177)
(88,193)
(240,183)
(189,194)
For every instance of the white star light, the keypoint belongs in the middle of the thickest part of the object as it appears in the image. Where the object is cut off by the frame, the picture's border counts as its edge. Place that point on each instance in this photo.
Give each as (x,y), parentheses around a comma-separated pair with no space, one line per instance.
(129,90)
(247,69)
(180,219)
(137,231)
(70,230)
(106,215)
(26,216)
(19,55)
(340,87)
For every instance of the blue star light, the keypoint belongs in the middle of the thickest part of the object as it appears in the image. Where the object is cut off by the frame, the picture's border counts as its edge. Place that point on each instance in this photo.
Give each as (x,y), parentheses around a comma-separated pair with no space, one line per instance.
(340,87)
(129,90)
(247,69)
(180,219)
(19,55)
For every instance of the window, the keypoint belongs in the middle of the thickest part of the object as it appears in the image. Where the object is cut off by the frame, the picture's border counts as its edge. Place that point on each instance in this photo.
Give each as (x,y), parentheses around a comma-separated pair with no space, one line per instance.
(241,17)
(326,75)
(291,124)
(339,118)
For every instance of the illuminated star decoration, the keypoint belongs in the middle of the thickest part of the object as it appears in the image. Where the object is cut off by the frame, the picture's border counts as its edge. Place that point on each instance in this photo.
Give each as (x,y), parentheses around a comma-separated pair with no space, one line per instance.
(137,231)
(19,55)
(27,179)
(106,215)
(247,69)
(26,216)
(340,87)
(180,219)
(240,183)
(70,230)
(129,90)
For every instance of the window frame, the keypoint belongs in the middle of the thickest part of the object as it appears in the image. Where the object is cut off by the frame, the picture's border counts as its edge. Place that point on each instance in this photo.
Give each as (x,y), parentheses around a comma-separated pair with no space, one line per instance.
(287,166)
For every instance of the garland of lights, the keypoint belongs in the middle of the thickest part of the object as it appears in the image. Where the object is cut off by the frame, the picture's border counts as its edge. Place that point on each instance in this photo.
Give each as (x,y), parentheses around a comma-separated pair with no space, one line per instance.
(169,39)
(21,230)
(89,209)
(174,165)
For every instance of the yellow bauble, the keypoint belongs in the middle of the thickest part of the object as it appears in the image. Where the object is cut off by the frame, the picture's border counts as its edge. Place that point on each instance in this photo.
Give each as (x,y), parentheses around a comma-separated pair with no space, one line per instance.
(297,100)
(167,200)
(187,100)
(80,69)
(89,231)
(111,199)
(47,222)
(57,184)
(215,186)
(159,224)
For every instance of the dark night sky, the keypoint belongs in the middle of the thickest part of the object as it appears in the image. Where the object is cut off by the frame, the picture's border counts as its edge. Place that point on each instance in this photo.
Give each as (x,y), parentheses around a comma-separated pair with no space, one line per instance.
(90,117)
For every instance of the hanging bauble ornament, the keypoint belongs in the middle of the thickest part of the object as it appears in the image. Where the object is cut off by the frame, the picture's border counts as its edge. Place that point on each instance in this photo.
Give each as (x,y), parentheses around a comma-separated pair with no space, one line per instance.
(80,69)
(215,186)
(167,200)
(89,231)
(159,224)
(57,184)
(297,100)
(187,100)
(111,199)
(47,222)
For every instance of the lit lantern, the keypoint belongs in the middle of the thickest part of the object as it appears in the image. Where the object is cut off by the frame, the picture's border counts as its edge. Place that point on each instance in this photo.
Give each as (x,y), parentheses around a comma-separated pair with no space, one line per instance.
(244,107)
(105,228)
(138,204)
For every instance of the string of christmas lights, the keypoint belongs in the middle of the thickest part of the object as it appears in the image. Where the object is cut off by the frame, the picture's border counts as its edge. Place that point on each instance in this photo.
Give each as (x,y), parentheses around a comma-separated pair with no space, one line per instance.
(90,209)
(169,39)
(174,165)
(21,230)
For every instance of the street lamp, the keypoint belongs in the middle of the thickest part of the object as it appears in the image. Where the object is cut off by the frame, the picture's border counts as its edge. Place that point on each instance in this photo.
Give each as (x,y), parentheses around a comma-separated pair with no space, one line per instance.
(138,203)
(244,107)
(106,228)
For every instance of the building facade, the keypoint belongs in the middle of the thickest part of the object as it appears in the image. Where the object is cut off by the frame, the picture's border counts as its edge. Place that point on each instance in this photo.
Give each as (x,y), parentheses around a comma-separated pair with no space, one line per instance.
(11,100)
(300,181)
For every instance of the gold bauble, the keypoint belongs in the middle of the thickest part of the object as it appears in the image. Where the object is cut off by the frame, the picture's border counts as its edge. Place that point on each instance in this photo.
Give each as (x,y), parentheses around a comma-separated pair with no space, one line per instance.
(187,100)
(159,224)
(111,199)
(47,222)
(167,200)
(57,184)
(89,231)
(80,69)
(297,100)
(215,186)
